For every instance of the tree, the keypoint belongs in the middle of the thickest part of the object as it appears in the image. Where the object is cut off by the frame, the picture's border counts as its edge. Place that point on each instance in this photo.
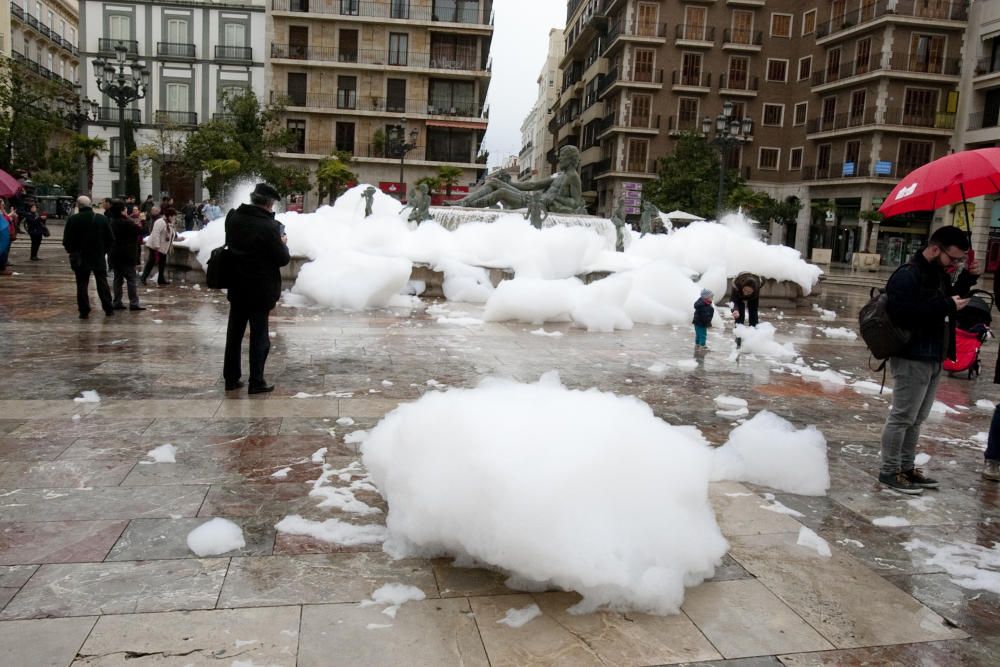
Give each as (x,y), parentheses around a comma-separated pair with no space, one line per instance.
(688,178)
(90,149)
(433,183)
(219,173)
(334,174)
(164,151)
(448,176)
(29,115)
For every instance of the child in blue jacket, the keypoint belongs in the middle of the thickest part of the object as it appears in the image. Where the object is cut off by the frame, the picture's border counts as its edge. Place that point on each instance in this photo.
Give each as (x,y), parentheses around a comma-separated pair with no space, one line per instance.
(704,311)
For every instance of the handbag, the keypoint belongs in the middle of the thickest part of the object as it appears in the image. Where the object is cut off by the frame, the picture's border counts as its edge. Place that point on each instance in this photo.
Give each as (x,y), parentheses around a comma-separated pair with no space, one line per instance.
(218,269)
(45,231)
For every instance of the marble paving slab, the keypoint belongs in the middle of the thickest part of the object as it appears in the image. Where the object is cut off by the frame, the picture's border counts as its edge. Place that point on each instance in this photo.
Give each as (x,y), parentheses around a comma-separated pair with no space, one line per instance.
(468,581)
(265,636)
(78,589)
(64,474)
(426,632)
(366,407)
(49,642)
(278,407)
(319,578)
(188,409)
(43,409)
(164,539)
(107,503)
(739,511)
(167,429)
(30,449)
(31,542)
(847,603)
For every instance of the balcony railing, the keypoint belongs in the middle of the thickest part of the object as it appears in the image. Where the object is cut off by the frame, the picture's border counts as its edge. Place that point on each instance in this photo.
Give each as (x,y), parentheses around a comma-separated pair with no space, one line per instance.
(31,21)
(987,65)
(870,116)
(897,62)
(16,10)
(165,117)
(860,169)
(380,104)
(981,120)
(696,79)
(748,83)
(107,45)
(634,29)
(383,9)
(380,57)
(684,124)
(175,50)
(742,36)
(953,11)
(695,32)
(111,115)
(242,53)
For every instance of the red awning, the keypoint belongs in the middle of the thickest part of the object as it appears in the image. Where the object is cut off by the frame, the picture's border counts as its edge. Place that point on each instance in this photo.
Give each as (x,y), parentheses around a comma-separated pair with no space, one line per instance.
(462,124)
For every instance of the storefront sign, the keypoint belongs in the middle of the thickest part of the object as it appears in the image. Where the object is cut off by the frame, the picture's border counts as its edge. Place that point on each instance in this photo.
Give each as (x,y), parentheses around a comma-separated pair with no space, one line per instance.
(883,168)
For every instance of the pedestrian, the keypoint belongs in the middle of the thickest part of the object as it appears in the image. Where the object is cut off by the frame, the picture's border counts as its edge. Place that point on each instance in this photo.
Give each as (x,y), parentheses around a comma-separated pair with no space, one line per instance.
(746,298)
(923,300)
(259,250)
(87,238)
(129,205)
(704,311)
(213,211)
(147,205)
(6,238)
(160,241)
(189,211)
(36,230)
(124,254)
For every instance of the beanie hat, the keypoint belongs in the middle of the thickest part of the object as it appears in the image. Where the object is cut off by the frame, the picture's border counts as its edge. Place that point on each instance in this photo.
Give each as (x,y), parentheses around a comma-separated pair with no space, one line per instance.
(706,292)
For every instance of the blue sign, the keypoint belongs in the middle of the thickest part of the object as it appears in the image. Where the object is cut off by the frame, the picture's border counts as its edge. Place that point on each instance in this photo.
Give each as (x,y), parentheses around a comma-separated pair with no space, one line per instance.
(848,169)
(883,168)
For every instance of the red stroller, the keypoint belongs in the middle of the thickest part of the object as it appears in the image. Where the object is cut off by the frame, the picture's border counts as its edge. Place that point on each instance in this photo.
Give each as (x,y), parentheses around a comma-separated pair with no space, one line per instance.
(972,330)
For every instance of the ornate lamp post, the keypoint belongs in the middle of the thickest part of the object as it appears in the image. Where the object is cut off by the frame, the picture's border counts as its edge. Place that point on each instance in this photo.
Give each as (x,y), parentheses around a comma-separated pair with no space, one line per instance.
(125,80)
(729,132)
(77,112)
(402,147)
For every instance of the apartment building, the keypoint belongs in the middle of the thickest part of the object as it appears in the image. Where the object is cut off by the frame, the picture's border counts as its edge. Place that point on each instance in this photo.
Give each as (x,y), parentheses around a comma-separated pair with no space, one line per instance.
(400,84)
(846,97)
(536,141)
(195,50)
(43,38)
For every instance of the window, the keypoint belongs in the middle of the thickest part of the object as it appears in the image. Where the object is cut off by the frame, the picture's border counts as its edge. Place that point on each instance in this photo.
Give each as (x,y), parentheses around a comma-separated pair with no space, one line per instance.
(833,64)
(691,69)
(398,47)
(395,95)
(913,154)
(400,9)
(348,40)
(454,51)
(774,115)
(51,22)
(347,92)
(297,128)
(296,88)
(795,158)
(868,9)
(857,113)
(638,154)
(51,62)
(919,107)
(742,27)
(648,17)
(687,114)
(769,158)
(809,22)
(448,96)
(114,151)
(852,151)
(72,35)
(695,20)
(738,78)
(862,56)
(777,70)
(805,67)
(177,31)
(926,53)
(349,7)
(823,153)
(781,25)
(642,65)
(838,8)
(829,112)
(177,97)
(449,145)
(641,113)
(119,27)
(234,34)
(345,137)
(800,112)
(62,27)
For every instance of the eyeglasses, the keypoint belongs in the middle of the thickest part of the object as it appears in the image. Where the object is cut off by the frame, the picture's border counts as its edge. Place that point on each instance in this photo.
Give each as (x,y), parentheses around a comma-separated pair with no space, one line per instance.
(955,260)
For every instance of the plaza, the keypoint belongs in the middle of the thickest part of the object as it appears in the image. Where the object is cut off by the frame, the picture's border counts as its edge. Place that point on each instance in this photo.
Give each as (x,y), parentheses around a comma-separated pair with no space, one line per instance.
(95,569)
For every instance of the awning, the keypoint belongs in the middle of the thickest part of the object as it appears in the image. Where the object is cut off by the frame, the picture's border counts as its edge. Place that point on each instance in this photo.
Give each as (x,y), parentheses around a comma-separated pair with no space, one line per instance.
(461,124)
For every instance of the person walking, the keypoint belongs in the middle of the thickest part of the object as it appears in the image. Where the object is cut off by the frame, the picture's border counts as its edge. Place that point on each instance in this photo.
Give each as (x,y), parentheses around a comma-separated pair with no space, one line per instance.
(160,241)
(6,238)
(147,205)
(87,238)
(258,251)
(36,230)
(923,299)
(704,311)
(124,254)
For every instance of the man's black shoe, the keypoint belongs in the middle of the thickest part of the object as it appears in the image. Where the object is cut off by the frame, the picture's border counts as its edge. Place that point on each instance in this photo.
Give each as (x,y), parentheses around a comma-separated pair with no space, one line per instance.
(233,386)
(260,388)
(137,307)
(119,307)
(109,313)
(143,281)
(918,478)
(85,315)
(162,282)
(897,481)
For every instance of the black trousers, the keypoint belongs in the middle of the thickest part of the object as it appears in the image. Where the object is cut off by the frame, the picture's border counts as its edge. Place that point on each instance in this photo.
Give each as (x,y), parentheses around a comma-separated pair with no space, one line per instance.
(160,259)
(36,243)
(743,306)
(260,343)
(83,285)
(125,273)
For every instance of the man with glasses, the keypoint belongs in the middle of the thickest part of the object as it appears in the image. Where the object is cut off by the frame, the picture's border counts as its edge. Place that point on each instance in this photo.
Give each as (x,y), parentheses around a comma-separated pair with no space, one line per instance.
(923,299)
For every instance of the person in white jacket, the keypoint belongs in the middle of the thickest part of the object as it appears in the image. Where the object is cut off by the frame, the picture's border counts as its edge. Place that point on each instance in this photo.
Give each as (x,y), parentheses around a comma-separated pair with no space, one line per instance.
(159,241)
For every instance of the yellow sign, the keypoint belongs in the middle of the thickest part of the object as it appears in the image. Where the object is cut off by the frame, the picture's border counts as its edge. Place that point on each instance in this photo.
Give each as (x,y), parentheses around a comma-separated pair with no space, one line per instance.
(959,219)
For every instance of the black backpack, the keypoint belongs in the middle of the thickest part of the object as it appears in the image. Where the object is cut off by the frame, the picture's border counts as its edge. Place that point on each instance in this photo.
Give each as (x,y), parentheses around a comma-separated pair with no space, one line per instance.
(882,336)
(218,270)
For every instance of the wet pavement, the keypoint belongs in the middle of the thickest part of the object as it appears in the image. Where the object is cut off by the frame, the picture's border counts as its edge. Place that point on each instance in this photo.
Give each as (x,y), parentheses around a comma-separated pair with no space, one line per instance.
(95,569)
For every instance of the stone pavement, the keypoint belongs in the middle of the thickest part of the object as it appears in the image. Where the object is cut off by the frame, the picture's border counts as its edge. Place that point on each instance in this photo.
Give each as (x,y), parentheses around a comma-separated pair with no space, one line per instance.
(94,567)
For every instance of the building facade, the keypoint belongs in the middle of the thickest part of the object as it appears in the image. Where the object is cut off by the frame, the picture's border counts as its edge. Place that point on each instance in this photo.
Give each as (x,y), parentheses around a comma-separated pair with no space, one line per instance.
(537,139)
(399,84)
(195,50)
(43,37)
(846,97)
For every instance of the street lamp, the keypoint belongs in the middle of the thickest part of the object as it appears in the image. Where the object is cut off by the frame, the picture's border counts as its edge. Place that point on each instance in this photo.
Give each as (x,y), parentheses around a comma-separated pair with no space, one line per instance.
(77,112)
(125,80)
(729,132)
(403,147)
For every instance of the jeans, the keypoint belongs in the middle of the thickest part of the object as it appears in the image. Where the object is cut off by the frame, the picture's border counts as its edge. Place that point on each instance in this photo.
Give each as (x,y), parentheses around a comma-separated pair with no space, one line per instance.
(914,387)
(125,273)
(36,243)
(743,306)
(160,259)
(700,334)
(83,284)
(993,441)
(260,343)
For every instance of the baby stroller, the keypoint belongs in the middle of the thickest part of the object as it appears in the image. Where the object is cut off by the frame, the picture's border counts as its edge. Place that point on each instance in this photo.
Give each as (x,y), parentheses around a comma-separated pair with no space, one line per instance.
(972,330)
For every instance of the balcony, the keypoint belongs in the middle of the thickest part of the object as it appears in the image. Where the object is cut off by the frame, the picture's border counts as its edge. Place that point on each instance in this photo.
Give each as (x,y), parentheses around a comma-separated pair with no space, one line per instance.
(111,115)
(903,63)
(372,104)
(740,39)
(621,32)
(888,119)
(17,11)
(694,35)
(980,120)
(235,53)
(384,10)
(183,118)
(861,169)
(908,9)
(175,50)
(107,46)
(678,124)
(643,79)
(631,124)
(742,85)
(31,21)
(380,58)
(695,82)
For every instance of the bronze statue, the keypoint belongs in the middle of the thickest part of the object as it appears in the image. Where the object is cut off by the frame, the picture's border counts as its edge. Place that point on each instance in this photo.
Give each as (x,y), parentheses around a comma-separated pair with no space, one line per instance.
(420,201)
(536,212)
(369,195)
(562,191)
(618,219)
(647,224)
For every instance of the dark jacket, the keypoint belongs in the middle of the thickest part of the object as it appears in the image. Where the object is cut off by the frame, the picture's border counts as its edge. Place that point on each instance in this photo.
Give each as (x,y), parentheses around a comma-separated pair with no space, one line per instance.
(258,254)
(125,249)
(920,302)
(87,237)
(744,280)
(34,224)
(703,313)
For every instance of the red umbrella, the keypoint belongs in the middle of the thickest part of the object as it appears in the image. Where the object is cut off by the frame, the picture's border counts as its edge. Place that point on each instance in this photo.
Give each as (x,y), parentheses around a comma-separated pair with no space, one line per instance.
(945,181)
(9,186)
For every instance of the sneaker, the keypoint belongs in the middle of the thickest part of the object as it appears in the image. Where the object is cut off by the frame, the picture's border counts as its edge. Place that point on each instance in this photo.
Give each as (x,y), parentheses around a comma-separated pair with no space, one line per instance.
(991,471)
(918,478)
(899,482)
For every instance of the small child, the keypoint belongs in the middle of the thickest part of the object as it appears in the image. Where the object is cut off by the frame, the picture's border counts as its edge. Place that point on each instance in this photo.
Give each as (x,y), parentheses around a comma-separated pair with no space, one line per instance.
(704,311)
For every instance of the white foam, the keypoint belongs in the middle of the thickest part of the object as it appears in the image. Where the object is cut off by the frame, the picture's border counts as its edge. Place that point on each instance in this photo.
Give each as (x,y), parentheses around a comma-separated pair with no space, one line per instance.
(333,531)
(215,537)
(516,618)
(811,540)
(890,521)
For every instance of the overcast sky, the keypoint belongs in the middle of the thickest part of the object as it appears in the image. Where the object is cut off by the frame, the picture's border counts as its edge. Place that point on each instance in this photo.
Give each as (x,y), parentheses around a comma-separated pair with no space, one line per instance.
(520,44)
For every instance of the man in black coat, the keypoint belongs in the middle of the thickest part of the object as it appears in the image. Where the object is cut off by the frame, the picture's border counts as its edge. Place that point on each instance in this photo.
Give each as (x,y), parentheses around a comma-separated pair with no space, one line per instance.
(923,299)
(258,251)
(87,238)
(124,254)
